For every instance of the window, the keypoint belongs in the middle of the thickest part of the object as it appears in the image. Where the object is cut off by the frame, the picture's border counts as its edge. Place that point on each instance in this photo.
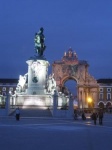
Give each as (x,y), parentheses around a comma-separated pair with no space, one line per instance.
(4,93)
(11,89)
(108,96)
(101,89)
(108,89)
(101,96)
(4,89)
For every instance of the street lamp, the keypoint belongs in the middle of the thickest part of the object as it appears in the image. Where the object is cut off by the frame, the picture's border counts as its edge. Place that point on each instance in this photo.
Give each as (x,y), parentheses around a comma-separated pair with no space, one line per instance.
(90,102)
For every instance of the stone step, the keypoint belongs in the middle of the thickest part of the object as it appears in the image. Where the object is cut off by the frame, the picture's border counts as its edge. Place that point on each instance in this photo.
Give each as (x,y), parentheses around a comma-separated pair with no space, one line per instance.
(35,112)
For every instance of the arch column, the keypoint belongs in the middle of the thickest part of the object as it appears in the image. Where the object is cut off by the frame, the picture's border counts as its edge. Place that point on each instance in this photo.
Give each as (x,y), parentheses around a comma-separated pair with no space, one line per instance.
(80,98)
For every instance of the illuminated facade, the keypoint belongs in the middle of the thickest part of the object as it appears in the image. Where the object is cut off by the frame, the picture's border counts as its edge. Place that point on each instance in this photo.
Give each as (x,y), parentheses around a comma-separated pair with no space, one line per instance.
(105,93)
(34,84)
(7,85)
(70,67)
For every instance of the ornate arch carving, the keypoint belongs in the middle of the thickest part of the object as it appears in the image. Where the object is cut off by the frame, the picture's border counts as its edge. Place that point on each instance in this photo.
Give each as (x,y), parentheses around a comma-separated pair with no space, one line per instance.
(70,67)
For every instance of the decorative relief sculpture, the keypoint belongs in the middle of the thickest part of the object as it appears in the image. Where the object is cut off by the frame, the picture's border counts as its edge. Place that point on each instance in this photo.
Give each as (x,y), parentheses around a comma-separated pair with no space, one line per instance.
(71,67)
(21,86)
(51,84)
(70,57)
(90,79)
(36,68)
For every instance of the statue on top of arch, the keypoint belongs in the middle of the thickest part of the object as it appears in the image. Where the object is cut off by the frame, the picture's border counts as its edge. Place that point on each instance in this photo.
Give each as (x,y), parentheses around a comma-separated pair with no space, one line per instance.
(70,57)
(39,42)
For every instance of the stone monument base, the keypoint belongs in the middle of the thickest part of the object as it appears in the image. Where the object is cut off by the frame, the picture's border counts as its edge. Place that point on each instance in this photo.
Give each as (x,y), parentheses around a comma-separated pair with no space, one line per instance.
(37,76)
(34,100)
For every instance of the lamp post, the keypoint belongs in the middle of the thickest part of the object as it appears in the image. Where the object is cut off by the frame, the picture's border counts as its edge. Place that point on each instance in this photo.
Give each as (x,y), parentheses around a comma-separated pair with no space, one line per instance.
(90,102)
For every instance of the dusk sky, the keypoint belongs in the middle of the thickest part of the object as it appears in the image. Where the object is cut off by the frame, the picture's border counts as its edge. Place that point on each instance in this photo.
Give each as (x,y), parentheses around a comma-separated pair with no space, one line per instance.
(83,25)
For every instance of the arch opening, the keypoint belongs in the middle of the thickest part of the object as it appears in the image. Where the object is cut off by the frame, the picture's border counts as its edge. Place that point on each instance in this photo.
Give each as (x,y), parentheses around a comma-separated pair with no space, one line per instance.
(101,105)
(70,87)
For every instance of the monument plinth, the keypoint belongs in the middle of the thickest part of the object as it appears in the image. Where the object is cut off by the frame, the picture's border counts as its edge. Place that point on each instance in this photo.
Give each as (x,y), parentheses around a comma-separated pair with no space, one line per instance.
(37,76)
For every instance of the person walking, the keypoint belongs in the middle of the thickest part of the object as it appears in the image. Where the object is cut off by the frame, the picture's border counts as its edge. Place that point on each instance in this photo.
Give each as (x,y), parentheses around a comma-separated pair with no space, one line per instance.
(83,116)
(75,115)
(94,117)
(17,114)
(100,115)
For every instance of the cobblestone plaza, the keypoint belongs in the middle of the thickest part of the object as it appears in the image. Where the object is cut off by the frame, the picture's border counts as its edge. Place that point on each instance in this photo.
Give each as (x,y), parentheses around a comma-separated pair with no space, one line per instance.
(55,134)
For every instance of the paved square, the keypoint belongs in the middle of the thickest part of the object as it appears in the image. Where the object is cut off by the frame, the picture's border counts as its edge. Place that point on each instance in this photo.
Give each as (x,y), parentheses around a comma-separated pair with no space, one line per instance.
(54,134)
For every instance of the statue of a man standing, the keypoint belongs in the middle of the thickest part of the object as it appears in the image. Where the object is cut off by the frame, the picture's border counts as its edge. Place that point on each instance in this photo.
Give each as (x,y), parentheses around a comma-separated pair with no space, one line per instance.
(39,42)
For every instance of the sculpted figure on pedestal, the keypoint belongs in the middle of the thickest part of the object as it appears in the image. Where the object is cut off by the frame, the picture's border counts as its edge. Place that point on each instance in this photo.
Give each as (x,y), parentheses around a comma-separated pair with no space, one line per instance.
(51,84)
(39,42)
(21,83)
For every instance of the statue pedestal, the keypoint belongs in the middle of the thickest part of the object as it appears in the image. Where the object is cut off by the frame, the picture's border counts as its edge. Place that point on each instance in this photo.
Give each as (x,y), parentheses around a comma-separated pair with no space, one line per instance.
(37,76)
(34,100)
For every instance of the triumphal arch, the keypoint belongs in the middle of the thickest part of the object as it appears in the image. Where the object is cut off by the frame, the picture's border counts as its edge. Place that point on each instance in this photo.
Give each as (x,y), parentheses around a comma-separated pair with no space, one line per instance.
(70,67)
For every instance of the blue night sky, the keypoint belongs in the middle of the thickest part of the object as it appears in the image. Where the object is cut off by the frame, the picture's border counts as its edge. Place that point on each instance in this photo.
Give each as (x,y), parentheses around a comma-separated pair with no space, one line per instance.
(83,25)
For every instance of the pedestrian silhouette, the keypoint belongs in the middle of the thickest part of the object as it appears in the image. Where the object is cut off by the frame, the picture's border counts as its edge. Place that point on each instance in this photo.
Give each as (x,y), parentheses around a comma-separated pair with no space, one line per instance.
(100,115)
(94,117)
(75,115)
(17,114)
(83,116)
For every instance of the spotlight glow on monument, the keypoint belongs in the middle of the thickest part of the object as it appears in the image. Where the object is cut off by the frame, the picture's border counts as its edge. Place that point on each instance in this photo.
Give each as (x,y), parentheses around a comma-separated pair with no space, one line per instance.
(35,86)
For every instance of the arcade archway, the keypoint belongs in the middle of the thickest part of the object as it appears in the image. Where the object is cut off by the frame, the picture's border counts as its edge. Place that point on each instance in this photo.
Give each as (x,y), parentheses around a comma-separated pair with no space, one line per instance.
(101,105)
(108,105)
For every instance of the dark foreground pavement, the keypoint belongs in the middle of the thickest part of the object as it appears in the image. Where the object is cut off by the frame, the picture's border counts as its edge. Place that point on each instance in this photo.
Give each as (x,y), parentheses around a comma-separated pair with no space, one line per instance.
(54,134)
